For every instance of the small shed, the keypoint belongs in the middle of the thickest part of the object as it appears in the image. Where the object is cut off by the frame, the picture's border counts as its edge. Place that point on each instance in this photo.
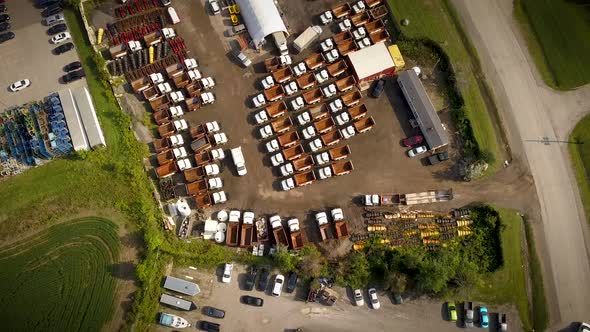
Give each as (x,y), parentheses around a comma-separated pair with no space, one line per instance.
(181,286)
(177,302)
(371,63)
(262,19)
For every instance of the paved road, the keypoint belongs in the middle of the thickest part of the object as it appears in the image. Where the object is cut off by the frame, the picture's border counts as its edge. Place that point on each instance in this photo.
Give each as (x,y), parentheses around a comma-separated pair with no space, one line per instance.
(532,111)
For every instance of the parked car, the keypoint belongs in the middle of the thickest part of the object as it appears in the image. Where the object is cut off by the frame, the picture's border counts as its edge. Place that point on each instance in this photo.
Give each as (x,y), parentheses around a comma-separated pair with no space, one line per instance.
(61,37)
(6,36)
(213,312)
(208,326)
(57,18)
(251,300)
(358,298)
(263,279)
(4,26)
(51,10)
(292,282)
(215,9)
(20,85)
(278,287)
(2,8)
(73,76)
(250,278)
(484,320)
(4,18)
(242,58)
(417,151)
(469,314)
(373,297)
(63,48)
(413,140)
(452,311)
(378,89)
(72,66)
(503,324)
(397,298)
(584,327)
(57,29)
(47,3)
(226,278)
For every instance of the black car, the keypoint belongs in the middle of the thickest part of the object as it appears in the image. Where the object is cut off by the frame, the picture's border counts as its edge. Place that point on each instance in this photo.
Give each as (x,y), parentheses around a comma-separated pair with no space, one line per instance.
(2,8)
(51,11)
(6,36)
(292,282)
(4,26)
(213,312)
(263,279)
(73,76)
(4,18)
(73,66)
(54,30)
(208,326)
(250,278)
(251,300)
(47,3)
(378,89)
(63,48)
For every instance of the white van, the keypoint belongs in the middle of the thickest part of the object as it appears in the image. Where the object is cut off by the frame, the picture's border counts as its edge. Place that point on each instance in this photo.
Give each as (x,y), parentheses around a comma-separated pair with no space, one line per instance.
(239,161)
(278,287)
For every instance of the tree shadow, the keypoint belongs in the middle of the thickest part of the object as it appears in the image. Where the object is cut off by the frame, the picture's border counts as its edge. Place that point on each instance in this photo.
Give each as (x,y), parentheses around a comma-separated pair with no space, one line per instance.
(123,270)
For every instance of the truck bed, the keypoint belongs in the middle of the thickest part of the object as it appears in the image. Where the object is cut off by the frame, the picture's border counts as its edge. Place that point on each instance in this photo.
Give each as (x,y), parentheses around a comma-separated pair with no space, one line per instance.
(198,131)
(276,109)
(193,174)
(180,81)
(150,93)
(357,112)
(247,234)
(293,152)
(319,111)
(288,139)
(341,229)
(166,170)
(303,163)
(203,158)
(378,37)
(306,81)
(346,83)
(203,201)
(161,117)
(140,84)
(346,47)
(331,137)
(174,70)
(201,144)
(314,61)
(364,124)
(378,12)
(165,157)
(282,75)
(312,96)
(280,236)
(197,187)
(341,10)
(194,89)
(193,104)
(339,152)
(360,19)
(342,167)
(165,130)
(342,37)
(296,240)
(303,179)
(375,26)
(159,103)
(232,234)
(325,232)
(324,125)
(274,93)
(351,98)
(161,144)
(337,68)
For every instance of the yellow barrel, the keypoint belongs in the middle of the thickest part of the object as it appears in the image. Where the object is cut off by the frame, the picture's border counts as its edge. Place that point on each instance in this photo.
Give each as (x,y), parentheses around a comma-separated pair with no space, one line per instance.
(151,54)
(100,33)
(376,228)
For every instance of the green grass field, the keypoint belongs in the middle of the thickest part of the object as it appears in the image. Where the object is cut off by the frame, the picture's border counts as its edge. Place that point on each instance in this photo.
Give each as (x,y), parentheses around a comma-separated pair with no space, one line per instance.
(59,280)
(580,156)
(433,20)
(557,34)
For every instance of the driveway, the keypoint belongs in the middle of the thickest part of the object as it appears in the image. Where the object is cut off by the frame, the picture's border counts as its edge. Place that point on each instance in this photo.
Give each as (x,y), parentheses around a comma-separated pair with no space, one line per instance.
(533,114)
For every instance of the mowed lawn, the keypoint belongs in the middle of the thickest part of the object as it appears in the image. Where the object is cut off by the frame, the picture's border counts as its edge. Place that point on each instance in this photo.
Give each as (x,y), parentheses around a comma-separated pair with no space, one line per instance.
(580,156)
(59,279)
(432,19)
(558,34)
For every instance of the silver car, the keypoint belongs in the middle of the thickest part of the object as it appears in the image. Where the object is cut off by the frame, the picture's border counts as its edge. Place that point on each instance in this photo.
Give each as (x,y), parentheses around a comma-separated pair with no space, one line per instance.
(244,60)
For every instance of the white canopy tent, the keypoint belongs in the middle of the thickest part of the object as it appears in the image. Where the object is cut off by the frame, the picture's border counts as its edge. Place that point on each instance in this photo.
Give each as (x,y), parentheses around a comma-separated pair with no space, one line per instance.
(262,18)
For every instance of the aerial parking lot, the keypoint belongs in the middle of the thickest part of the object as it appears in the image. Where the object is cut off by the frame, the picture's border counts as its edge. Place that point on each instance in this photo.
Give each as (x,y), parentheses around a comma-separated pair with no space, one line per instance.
(30,55)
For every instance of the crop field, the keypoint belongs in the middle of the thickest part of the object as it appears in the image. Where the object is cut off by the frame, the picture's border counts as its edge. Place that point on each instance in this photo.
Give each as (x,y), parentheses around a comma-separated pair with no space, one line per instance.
(59,280)
(557,35)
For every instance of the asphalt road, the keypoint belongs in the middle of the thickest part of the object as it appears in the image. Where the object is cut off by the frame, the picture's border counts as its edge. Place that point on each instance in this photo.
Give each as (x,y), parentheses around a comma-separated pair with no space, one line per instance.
(532,113)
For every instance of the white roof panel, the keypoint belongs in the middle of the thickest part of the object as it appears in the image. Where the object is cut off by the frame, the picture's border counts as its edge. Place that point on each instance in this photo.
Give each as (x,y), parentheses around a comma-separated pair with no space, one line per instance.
(371,60)
(262,18)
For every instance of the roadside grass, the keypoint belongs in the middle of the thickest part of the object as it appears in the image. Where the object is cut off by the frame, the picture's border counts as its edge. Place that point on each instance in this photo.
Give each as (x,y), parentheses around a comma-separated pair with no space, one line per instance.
(508,283)
(580,156)
(557,33)
(539,311)
(435,20)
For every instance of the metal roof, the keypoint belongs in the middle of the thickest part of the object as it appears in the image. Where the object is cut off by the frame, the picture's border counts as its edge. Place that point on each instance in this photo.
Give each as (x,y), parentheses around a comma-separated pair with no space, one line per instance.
(371,60)
(73,120)
(177,302)
(87,113)
(181,286)
(262,18)
(422,108)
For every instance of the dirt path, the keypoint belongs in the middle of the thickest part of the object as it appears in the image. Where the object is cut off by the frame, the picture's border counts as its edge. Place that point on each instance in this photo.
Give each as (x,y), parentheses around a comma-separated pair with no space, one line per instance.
(532,113)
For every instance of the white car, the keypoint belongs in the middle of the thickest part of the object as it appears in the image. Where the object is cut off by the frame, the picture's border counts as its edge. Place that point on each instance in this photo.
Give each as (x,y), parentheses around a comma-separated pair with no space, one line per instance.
(259,100)
(226,278)
(288,184)
(309,132)
(337,214)
(266,131)
(299,69)
(297,103)
(219,197)
(336,105)
(304,118)
(261,117)
(345,25)
(287,169)
(316,145)
(322,76)
(211,169)
(272,146)
(277,159)
(212,127)
(20,85)
(332,55)
(322,158)
(278,287)
(326,17)
(365,42)
(342,118)
(373,297)
(329,90)
(219,139)
(184,164)
(359,7)
(348,132)
(214,5)
(61,37)
(267,82)
(417,151)
(358,298)
(359,33)
(290,88)
(324,172)
(326,45)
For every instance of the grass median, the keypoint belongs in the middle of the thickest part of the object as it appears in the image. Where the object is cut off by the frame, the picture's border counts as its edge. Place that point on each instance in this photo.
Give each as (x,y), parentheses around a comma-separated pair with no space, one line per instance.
(580,156)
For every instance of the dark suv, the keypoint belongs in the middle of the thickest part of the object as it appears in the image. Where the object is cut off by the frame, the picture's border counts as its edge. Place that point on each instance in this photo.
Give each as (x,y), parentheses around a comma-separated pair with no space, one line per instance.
(4,18)
(63,48)
(73,66)
(4,26)
(6,36)
(54,30)
(250,278)
(292,282)
(73,76)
